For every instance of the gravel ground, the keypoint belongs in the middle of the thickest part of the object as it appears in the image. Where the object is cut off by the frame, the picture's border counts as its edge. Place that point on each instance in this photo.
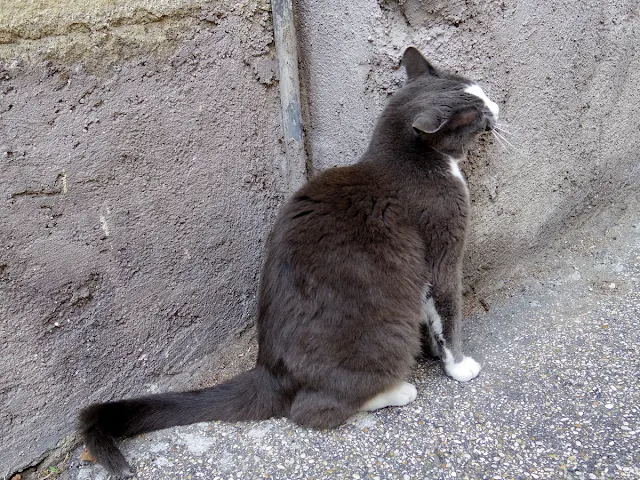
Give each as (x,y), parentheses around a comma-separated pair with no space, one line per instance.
(558,396)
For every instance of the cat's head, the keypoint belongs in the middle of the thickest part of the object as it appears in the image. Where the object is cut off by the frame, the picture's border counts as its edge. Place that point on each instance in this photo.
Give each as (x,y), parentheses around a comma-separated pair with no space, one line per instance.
(445,111)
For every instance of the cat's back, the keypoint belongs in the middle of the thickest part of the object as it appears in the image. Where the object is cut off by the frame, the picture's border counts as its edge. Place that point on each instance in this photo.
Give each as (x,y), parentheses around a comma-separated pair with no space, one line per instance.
(344,206)
(345,229)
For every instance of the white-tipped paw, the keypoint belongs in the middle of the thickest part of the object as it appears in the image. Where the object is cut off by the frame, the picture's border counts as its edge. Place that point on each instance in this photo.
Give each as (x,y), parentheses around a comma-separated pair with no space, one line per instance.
(463,371)
(404,394)
(398,396)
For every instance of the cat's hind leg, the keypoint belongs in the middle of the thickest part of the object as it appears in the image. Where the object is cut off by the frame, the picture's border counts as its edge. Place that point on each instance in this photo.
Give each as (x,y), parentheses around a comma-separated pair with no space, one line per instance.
(399,395)
(320,410)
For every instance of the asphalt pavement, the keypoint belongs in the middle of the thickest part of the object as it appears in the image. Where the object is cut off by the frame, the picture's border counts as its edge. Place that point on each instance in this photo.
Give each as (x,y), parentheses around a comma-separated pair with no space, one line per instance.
(558,396)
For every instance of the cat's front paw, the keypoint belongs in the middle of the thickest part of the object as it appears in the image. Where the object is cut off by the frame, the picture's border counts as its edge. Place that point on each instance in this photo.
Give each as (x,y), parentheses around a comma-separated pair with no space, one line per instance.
(463,371)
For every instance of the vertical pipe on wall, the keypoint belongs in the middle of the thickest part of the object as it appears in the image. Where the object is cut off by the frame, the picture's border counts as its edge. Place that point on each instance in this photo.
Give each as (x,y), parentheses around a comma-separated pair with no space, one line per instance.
(295,170)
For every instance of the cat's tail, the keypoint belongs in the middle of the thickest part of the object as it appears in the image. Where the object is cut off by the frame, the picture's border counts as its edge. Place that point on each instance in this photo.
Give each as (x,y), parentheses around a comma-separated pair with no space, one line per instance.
(252,395)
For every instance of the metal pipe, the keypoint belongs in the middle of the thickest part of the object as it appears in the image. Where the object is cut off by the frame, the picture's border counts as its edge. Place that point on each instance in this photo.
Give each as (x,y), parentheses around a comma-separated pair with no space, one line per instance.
(295,169)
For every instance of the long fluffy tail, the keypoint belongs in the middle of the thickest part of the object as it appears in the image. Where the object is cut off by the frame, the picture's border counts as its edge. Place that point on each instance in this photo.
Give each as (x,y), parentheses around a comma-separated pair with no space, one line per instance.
(253,395)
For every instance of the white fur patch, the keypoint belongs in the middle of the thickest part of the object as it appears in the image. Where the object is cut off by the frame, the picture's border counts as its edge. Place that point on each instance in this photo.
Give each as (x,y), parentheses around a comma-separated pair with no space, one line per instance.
(463,371)
(424,318)
(478,92)
(435,322)
(455,169)
(401,394)
(447,356)
(426,292)
(431,318)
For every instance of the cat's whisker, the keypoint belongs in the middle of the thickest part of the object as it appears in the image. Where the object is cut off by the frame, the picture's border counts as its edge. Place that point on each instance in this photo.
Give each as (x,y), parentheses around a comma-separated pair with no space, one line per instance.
(498,140)
(502,130)
(506,141)
(503,137)
(503,125)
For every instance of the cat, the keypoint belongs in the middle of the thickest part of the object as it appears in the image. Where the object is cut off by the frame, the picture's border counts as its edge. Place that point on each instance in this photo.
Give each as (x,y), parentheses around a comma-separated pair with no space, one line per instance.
(359,261)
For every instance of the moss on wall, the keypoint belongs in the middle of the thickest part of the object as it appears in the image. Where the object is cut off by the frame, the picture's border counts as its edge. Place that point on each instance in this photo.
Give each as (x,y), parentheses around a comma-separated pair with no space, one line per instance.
(108,31)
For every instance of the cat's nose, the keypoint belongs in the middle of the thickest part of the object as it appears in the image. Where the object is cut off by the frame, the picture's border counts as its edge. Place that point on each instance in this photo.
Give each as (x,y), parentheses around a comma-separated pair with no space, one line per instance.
(490,119)
(490,123)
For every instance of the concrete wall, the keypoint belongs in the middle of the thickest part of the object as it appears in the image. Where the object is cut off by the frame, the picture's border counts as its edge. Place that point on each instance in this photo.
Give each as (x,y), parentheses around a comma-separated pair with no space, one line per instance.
(140,154)
(565,75)
(141,167)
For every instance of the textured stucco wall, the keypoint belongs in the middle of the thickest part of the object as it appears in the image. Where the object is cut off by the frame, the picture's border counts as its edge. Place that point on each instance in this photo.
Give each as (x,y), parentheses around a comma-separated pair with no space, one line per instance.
(564,73)
(140,153)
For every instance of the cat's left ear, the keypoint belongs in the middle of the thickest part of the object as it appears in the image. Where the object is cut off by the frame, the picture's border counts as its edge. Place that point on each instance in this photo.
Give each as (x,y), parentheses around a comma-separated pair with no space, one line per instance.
(415,64)
(427,123)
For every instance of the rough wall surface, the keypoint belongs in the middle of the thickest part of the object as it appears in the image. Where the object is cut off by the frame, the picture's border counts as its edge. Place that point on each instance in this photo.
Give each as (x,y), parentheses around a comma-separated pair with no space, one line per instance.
(565,75)
(140,152)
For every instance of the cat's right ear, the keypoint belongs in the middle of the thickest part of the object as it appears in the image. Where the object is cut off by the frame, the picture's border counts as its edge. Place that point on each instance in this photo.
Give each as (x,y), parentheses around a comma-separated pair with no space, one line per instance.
(415,64)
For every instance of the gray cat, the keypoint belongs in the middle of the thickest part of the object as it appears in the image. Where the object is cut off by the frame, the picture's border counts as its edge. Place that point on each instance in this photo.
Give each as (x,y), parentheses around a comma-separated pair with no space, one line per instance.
(359,260)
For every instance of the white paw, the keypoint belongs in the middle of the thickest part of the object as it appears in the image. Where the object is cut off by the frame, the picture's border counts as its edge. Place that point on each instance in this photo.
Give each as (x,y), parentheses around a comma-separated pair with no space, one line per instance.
(463,371)
(398,396)
(404,394)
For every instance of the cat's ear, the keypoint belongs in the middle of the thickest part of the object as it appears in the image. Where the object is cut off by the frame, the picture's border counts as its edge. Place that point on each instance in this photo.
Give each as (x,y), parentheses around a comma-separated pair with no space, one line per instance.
(415,64)
(427,123)
(430,123)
